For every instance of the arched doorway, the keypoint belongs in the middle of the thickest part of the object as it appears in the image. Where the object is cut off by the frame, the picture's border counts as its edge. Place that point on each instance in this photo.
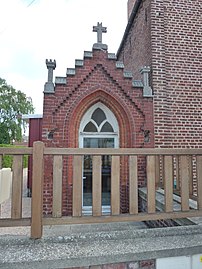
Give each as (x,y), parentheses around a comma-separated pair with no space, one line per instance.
(98,129)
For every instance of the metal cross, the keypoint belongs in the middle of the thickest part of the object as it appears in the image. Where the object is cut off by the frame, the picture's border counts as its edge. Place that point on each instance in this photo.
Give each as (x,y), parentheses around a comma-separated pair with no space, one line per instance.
(99,29)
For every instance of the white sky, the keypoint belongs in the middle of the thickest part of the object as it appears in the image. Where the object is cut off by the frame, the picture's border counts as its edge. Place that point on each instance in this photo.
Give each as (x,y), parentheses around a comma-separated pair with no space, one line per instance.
(32,31)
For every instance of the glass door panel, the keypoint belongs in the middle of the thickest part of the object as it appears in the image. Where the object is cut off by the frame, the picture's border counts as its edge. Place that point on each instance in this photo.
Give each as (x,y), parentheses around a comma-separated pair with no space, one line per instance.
(93,142)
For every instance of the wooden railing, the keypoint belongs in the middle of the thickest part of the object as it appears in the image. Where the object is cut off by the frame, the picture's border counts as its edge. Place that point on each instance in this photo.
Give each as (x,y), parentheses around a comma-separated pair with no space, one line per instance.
(16,218)
(163,167)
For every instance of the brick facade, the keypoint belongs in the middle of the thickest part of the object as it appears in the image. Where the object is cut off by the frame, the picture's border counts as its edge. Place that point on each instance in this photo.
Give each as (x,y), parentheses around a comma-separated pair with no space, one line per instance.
(167,36)
(99,79)
(164,35)
(135,49)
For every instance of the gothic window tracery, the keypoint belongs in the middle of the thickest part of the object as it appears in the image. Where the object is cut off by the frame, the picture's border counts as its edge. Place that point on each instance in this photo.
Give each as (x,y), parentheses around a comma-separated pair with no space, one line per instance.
(99,119)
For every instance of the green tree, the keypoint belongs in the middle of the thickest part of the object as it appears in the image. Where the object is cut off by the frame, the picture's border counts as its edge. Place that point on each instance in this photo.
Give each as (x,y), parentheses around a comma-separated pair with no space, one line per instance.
(12,105)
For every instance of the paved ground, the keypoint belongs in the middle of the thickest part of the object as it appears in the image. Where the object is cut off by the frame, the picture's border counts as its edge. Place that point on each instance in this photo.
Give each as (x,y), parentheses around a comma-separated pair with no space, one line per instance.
(26,209)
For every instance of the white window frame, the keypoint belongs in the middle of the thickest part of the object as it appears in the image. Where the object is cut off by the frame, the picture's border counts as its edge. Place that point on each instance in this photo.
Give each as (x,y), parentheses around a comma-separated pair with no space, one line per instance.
(110,117)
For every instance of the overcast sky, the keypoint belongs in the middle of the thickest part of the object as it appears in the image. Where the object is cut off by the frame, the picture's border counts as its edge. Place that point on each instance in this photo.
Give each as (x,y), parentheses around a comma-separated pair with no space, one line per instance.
(32,31)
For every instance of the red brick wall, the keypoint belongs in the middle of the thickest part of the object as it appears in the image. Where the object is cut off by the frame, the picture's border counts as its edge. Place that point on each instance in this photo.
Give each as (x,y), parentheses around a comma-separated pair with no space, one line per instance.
(177,72)
(135,52)
(170,42)
(97,81)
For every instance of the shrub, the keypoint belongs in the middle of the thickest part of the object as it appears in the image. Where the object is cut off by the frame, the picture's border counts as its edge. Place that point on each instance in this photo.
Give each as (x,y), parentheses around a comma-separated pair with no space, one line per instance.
(7,160)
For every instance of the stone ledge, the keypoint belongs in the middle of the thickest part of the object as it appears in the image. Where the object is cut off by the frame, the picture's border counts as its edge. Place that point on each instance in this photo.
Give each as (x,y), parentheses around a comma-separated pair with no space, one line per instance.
(96,248)
(88,54)
(112,56)
(61,80)
(71,72)
(137,84)
(79,63)
(119,65)
(127,74)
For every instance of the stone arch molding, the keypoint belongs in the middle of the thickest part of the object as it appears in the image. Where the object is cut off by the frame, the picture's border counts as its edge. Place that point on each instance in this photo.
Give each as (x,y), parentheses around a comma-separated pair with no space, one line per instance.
(123,119)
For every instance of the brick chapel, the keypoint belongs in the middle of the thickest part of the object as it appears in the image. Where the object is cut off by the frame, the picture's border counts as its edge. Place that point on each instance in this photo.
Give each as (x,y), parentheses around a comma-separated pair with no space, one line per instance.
(146,95)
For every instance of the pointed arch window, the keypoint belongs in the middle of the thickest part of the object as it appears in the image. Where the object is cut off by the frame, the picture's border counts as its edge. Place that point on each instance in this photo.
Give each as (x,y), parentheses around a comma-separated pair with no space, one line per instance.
(99,119)
(98,129)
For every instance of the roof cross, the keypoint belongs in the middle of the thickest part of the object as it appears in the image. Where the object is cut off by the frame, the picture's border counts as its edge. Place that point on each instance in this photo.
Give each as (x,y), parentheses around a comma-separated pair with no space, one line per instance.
(99,29)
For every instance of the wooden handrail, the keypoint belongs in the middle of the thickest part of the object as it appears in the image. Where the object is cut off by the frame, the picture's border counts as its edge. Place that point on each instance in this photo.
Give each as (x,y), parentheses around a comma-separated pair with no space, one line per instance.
(16,151)
(106,151)
(121,151)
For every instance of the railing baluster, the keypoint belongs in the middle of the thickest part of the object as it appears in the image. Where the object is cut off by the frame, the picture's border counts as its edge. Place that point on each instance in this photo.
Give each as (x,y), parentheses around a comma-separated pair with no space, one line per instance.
(57,186)
(97,186)
(177,173)
(168,183)
(190,175)
(115,185)
(133,185)
(162,170)
(17,181)
(157,165)
(77,186)
(184,170)
(151,194)
(199,181)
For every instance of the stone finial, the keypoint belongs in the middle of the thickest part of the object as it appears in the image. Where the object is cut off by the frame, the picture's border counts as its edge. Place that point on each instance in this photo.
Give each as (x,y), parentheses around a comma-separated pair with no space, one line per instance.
(100,30)
(49,86)
(147,90)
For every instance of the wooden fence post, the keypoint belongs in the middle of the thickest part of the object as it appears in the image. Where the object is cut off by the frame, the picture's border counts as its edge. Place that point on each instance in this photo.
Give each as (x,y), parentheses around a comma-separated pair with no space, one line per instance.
(37,190)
